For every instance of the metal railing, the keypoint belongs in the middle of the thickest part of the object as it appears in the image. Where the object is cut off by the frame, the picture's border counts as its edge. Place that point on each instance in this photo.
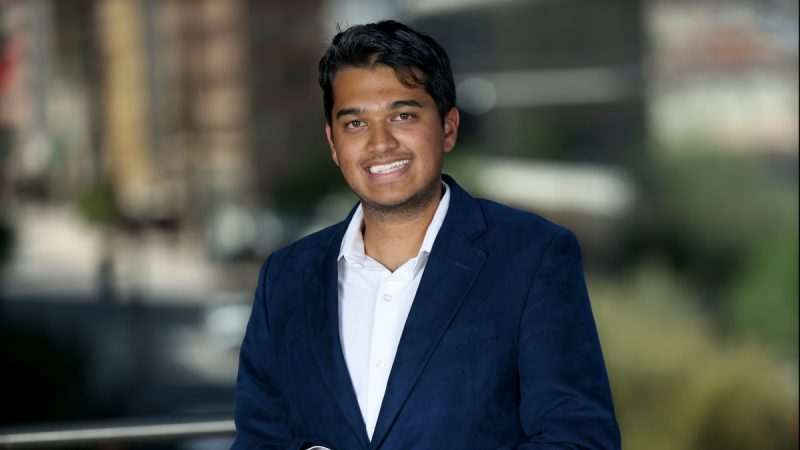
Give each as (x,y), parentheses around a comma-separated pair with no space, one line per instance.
(117,432)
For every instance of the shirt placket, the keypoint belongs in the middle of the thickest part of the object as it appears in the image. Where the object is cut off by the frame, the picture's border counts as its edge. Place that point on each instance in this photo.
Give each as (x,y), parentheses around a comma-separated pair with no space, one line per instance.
(382,349)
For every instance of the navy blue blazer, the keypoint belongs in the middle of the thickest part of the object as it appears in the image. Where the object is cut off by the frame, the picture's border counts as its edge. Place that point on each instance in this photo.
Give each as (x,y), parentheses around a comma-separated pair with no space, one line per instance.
(499,350)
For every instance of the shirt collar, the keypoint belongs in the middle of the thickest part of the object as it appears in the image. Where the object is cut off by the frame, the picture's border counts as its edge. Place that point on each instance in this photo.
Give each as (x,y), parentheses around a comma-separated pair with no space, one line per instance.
(352,248)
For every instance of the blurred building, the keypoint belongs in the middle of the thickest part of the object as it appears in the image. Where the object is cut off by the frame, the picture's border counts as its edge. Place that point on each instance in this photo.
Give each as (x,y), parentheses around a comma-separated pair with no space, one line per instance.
(135,114)
(550,80)
(723,74)
(204,117)
(176,100)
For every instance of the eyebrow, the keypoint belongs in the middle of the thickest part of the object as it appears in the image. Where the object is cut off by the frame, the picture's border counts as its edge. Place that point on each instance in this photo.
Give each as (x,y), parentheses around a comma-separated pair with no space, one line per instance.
(348,111)
(401,103)
(394,105)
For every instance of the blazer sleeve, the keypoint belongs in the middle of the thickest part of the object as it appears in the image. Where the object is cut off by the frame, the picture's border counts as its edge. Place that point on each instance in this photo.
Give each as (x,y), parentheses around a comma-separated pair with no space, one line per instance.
(565,396)
(261,414)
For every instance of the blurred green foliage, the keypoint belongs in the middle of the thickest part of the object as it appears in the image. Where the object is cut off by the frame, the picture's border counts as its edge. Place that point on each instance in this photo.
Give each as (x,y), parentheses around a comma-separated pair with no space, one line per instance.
(298,192)
(680,385)
(763,298)
(98,204)
(516,133)
(728,225)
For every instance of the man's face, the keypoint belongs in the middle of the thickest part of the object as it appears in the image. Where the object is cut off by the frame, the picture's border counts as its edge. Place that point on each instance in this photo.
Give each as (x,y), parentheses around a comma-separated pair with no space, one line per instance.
(388,139)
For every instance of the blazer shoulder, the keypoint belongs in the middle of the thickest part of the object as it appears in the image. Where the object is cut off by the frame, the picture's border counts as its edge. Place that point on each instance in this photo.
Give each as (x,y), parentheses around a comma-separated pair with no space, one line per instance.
(507,220)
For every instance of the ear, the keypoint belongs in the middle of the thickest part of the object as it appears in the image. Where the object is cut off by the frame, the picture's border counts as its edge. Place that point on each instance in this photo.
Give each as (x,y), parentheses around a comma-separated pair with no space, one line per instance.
(451,121)
(329,135)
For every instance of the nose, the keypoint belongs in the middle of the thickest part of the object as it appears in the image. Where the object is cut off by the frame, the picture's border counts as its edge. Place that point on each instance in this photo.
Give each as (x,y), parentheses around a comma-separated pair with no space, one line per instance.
(381,139)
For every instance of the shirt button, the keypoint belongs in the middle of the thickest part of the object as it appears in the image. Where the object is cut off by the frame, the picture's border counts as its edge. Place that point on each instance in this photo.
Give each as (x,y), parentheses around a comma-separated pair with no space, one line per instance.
(387,297)
(379,363)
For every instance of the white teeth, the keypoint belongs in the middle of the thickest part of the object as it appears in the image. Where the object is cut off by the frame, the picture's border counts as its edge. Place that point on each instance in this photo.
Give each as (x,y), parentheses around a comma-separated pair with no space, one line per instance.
(386,168)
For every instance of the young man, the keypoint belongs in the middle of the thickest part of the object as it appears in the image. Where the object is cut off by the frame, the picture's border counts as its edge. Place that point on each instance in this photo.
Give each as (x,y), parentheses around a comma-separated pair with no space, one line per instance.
(427,319)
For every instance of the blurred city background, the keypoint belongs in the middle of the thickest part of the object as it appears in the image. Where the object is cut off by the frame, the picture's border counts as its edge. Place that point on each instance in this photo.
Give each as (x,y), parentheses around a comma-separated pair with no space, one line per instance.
(153,152)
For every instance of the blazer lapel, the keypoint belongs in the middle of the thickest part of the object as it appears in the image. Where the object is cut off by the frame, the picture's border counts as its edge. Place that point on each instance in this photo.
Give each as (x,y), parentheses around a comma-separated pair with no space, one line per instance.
(321,280)
(452,267)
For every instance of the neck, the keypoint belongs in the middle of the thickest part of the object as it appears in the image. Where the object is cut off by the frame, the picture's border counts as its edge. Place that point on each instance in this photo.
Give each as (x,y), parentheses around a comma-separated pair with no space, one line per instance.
(394,238)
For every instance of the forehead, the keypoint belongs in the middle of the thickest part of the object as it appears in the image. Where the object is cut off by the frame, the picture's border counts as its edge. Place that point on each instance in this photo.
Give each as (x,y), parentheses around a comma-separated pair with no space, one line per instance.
(378,83)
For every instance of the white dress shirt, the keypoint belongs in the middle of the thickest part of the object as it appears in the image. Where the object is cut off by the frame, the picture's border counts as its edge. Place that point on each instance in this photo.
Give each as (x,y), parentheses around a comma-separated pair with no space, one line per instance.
(373,306)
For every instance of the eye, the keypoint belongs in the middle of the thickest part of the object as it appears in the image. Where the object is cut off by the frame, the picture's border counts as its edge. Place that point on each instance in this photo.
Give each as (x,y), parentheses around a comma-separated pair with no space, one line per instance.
(353,124)
(402,117)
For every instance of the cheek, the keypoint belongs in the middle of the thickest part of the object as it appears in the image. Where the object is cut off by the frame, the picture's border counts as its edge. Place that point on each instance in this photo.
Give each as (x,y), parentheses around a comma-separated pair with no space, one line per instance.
(429,142)
(348,163)
(342,152)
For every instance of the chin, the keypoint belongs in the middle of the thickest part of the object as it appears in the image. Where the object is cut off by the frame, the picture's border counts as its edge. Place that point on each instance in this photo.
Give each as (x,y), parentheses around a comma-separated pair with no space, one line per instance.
(408,204)
(386,203)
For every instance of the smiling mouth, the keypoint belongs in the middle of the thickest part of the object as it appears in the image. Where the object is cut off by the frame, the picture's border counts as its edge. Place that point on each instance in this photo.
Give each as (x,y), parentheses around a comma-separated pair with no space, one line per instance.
(391,167)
